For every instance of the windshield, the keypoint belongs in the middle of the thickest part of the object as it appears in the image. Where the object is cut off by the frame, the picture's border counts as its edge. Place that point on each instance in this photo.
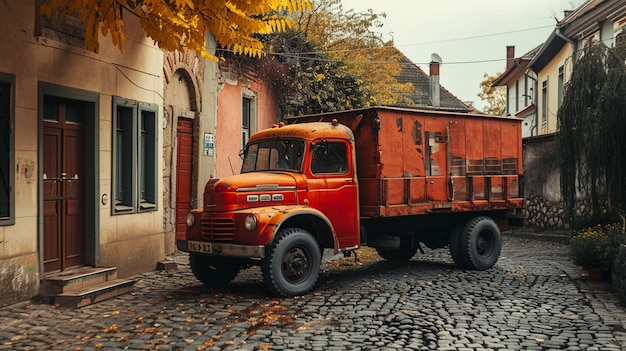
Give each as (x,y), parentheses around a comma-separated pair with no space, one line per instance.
(277,154)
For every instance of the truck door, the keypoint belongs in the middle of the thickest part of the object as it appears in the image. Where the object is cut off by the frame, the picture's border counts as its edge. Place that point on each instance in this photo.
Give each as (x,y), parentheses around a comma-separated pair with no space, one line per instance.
(333,188)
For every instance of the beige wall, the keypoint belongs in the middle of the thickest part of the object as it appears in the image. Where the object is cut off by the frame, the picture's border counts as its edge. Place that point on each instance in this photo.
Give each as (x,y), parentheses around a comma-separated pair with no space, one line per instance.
(137,74)
(551,73)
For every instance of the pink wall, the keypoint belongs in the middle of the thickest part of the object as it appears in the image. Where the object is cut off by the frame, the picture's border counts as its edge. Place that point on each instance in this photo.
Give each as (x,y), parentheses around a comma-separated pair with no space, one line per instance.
(228,133)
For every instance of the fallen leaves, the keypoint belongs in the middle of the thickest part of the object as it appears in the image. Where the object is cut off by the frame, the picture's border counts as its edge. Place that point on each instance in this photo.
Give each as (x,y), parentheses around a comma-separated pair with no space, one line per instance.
(111,329)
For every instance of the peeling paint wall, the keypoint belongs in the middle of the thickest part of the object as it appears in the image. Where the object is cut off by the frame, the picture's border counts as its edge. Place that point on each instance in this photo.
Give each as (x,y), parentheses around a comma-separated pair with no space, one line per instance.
(18,279)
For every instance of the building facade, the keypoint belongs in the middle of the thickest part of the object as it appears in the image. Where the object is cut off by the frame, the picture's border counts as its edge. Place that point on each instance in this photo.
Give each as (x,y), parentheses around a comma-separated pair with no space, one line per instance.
(102,154)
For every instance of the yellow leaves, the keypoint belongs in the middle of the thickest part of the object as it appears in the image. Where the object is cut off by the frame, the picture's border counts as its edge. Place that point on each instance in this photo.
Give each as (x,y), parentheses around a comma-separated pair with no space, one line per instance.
(177,24)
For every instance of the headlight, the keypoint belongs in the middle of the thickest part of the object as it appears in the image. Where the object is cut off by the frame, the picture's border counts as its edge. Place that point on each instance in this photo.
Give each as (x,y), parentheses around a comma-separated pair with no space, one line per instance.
(191,220)
(250,222)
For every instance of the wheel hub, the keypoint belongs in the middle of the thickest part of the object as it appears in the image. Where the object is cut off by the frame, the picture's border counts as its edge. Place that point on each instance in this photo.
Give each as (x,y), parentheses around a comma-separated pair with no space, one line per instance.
(295,264)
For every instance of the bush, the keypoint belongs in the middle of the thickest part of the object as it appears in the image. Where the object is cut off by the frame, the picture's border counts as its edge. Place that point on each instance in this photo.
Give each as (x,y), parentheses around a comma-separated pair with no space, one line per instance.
(597,247)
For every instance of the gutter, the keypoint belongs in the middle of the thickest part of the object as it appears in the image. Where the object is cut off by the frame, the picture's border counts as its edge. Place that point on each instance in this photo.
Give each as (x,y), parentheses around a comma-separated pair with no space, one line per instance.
(559,34)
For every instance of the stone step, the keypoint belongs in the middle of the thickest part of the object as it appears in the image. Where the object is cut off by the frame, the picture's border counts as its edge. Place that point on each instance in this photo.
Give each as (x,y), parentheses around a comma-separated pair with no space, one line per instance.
(78,278)
(91,294)
(83,286)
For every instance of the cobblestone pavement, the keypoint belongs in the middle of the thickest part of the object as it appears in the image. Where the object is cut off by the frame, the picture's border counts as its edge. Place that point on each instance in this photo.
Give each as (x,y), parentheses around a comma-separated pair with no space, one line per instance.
(533,299)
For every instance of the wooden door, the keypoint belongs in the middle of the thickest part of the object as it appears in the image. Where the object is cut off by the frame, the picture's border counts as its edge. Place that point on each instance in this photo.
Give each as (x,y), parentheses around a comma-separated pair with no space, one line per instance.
(63,165)
(184,152)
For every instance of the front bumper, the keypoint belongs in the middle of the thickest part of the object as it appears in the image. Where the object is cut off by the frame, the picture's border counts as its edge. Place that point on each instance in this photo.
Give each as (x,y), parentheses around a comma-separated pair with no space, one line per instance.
(222,249)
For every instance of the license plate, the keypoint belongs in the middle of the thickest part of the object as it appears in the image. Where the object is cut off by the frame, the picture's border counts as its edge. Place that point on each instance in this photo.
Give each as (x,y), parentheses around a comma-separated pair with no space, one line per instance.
(200,246)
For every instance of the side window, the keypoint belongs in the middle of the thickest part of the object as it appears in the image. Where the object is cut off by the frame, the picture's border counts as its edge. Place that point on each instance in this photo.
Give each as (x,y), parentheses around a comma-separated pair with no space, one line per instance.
(134,156)
(329,158)
(7,205)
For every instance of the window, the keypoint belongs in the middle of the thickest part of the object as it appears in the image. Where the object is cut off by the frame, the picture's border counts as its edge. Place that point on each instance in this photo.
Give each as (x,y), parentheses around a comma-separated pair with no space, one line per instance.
(560,83)
(134,156)
(544,101)
(246,114)
(7,205)
(274,155)
(329,157)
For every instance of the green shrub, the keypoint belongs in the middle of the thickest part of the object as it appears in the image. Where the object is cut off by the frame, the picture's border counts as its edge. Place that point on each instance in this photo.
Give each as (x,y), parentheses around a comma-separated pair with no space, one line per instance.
(597,247)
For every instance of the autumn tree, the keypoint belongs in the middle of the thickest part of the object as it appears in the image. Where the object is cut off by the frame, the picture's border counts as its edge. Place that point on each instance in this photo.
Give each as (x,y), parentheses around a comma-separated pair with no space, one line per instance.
(174,24)
(318,84)
(591,147)
(351,40)
(495,96)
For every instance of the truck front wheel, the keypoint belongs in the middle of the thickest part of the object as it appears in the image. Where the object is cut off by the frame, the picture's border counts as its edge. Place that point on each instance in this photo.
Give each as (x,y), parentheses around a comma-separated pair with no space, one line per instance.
(292,263)
(479,244)
(213,271)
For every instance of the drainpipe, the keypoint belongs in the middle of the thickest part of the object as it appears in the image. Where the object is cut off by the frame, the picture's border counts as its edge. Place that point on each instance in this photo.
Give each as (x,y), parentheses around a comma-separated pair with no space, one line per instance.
(570,41)
(535,95)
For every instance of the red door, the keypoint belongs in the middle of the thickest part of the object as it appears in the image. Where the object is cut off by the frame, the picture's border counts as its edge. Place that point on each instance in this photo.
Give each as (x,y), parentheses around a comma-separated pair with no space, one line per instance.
(184,142)
(333,190)
(63,164)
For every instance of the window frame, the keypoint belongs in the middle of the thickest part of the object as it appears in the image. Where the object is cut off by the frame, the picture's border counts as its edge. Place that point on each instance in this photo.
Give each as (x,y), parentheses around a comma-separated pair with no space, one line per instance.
(544,101)
(328,168)
(246,119)
(560,85)
(9,79)
(137,172)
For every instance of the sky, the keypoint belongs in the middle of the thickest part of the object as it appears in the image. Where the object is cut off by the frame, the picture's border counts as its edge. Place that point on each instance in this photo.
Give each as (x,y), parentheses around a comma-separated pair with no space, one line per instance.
(470,36)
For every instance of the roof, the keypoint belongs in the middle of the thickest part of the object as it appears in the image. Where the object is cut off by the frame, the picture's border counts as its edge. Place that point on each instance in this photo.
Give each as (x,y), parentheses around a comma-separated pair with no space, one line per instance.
(515,70)
(412,73)
(577,25)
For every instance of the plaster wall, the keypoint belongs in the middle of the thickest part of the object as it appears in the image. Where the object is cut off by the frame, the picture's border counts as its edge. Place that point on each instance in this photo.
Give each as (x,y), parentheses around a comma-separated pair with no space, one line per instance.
(137,74)
(229,118)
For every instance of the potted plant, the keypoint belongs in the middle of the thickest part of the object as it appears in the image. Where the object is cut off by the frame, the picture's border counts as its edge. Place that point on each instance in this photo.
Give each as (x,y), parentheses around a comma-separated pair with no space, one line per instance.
(595,248)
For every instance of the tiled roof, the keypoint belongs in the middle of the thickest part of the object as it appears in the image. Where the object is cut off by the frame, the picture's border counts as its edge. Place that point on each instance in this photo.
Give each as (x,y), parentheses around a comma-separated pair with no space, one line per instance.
(412,73)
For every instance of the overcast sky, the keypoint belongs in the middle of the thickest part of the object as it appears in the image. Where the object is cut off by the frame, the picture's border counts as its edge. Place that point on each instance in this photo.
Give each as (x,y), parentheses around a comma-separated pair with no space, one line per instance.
(470,36)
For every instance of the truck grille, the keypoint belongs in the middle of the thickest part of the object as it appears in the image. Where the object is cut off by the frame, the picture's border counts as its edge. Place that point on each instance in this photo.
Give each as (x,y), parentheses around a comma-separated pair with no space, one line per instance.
(218,229)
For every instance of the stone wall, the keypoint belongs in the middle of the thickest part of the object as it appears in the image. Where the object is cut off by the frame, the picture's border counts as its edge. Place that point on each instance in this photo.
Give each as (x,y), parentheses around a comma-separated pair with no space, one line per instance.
(545,214)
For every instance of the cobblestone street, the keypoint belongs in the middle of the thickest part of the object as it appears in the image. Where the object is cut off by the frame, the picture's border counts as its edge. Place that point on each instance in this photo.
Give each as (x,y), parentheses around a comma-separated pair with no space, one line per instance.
(533,299)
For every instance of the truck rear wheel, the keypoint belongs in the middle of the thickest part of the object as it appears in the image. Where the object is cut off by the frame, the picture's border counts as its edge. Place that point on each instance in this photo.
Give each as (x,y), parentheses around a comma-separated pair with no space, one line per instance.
(213,271)
(479,243)
(292,263)
(455,246)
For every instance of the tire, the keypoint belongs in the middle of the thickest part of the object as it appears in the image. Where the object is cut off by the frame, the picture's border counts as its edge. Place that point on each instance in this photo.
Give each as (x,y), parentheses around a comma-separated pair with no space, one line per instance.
(455,246)
(292,263)
(213,271)
(400,255)
(480,243)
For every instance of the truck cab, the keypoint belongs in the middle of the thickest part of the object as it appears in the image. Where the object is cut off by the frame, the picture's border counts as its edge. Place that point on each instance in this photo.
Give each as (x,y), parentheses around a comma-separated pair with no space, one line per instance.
(297,194)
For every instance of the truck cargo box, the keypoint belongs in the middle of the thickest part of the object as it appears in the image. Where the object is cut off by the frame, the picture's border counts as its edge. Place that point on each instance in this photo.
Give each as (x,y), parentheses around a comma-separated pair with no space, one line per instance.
(413,162)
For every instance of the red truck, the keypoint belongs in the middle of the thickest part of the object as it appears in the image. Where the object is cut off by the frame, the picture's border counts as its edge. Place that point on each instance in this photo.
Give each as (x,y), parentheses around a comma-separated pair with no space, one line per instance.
(389,178)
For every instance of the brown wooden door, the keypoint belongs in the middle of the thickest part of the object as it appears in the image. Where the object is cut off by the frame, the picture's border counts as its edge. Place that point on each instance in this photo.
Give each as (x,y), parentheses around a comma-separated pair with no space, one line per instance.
(184,151)
(63,164)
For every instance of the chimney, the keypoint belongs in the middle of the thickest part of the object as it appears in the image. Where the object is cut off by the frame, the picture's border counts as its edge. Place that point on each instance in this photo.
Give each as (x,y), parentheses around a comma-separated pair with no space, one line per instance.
(510,55)
(433,81)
